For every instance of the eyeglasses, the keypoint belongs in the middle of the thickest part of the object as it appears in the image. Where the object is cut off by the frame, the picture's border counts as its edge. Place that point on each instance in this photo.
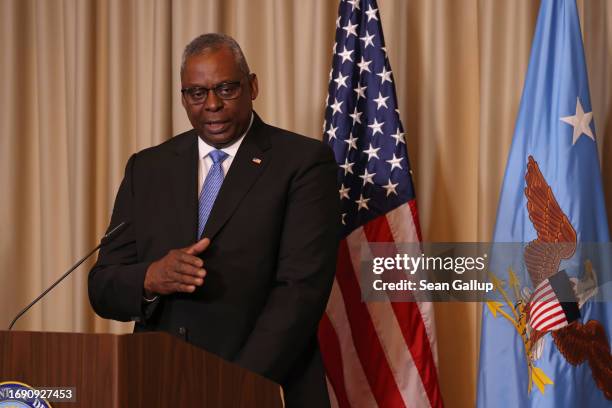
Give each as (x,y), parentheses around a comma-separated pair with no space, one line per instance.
(226,90)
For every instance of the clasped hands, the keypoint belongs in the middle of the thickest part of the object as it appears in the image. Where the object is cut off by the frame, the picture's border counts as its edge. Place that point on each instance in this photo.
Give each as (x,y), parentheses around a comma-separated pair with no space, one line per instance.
(181,270)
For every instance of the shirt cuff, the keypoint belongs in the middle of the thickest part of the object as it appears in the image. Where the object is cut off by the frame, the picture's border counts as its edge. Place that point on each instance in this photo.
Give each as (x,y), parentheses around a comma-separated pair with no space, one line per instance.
(153,299)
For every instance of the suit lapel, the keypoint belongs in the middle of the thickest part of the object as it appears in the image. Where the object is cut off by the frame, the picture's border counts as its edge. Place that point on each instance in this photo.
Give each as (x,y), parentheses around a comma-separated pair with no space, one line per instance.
(184,185)
(244,171)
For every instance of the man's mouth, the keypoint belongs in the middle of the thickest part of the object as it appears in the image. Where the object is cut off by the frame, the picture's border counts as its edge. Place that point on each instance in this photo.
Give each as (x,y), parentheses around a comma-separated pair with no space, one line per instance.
(216,126)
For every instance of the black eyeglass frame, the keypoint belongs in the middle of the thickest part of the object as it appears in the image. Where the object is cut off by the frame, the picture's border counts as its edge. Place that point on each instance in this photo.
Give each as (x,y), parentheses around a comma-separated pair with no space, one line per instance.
(186,92)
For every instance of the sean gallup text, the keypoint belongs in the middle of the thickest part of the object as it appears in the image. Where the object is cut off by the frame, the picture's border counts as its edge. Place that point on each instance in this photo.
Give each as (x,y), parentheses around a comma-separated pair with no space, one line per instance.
(424,285)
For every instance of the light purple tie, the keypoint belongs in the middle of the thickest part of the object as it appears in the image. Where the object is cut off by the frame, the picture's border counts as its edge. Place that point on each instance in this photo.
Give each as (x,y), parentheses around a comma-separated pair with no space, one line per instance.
(211,188)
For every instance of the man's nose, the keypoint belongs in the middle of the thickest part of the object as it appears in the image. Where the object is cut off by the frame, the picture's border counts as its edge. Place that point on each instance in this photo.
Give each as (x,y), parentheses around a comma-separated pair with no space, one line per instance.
(213,102)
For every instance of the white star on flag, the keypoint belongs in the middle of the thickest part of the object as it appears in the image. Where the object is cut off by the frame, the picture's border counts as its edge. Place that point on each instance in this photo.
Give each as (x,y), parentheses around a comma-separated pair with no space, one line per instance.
(332,132)
(371,13)
(336,106)
(581,122)
(344,192)
(395,162)
(390,187)
(354,4)
(346,55)
(360,91)
(367,177)
(384,75)
(368,39)
(364,66)
(348,167)
(380,101)
(376,127)
(372,152)
(356,115)
(352,142)
(362,202)
(399,137)
(341,80)
(350,29)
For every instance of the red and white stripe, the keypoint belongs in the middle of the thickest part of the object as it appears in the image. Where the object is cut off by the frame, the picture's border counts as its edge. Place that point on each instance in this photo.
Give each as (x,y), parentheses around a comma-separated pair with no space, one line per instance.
(378,354)
(545,311)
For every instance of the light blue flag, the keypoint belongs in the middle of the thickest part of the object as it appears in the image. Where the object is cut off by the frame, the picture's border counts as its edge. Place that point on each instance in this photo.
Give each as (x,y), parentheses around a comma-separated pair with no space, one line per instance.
(529,358)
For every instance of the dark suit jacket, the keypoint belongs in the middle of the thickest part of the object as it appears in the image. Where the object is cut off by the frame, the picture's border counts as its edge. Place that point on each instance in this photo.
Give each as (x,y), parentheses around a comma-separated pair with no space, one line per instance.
(271,261)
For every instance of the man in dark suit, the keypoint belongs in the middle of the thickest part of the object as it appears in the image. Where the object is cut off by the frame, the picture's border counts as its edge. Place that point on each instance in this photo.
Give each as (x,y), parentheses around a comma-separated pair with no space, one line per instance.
(254,289)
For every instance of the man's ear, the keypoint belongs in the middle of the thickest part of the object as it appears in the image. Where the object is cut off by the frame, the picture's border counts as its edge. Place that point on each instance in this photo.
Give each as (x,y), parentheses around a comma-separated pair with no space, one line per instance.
(254,86)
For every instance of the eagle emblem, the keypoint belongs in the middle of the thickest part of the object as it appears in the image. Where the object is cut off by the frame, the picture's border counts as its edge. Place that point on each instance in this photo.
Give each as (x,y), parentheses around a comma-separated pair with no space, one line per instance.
(555,302)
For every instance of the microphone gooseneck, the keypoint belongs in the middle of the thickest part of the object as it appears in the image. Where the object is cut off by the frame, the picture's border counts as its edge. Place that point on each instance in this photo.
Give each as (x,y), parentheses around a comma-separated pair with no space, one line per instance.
(105,239)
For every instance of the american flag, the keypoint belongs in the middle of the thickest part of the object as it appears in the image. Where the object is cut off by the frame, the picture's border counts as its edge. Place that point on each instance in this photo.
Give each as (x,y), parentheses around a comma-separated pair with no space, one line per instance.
(376,354)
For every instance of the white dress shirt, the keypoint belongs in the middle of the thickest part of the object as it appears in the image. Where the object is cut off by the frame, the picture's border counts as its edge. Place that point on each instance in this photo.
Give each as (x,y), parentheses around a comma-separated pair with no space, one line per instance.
(205,162)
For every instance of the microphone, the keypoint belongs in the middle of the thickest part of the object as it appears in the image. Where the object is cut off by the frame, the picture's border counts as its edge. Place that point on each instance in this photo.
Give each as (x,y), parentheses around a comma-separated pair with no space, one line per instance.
(105,240)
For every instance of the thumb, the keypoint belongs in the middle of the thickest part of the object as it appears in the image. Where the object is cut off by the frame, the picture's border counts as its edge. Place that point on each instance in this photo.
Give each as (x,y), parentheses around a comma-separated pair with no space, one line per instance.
(198,247)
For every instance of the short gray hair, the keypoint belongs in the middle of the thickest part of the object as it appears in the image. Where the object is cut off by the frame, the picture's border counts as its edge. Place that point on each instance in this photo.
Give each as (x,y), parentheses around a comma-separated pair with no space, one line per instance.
(214,42)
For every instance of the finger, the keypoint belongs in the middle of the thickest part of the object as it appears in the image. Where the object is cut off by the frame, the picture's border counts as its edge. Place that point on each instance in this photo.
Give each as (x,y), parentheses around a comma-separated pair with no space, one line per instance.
(198,247)
(179,287)
(189,259)
(185,279)
(189,270)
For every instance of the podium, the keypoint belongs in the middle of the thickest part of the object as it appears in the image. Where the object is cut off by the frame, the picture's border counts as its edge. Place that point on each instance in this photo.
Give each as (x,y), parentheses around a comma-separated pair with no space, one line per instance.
(133,370)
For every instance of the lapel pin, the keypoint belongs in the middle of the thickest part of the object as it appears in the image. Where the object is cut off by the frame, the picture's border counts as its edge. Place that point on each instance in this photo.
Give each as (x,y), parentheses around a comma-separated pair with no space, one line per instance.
(256,160)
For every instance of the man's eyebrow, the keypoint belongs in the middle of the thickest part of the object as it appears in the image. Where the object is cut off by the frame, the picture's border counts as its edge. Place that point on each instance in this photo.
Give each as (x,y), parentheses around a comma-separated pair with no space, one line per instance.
(224,82)
(230,81)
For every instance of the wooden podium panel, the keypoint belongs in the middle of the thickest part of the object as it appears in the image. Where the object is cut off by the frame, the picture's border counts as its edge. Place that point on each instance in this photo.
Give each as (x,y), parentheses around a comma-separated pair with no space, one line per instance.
(132,370)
